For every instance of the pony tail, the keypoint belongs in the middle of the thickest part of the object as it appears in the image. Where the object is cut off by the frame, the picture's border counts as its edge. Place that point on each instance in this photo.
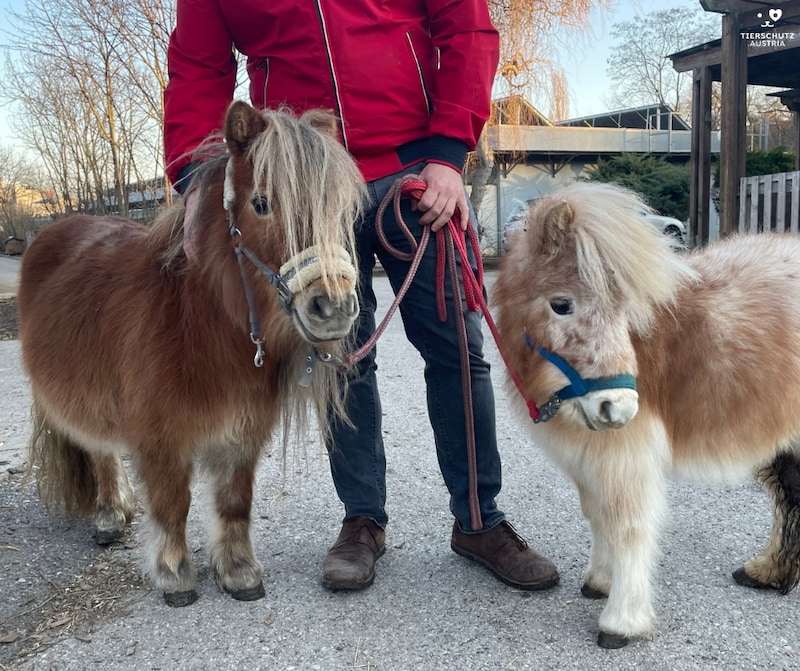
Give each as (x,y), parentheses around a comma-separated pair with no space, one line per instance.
(64,473)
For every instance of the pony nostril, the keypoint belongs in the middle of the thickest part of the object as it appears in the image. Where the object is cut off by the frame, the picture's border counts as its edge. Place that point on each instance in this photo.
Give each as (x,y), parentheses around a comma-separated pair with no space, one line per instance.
(606,408)
(350,306)
(322,307)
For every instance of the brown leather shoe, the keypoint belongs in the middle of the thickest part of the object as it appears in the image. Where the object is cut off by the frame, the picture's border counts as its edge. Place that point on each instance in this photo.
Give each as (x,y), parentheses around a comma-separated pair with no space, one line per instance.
(350,563)
(507,555)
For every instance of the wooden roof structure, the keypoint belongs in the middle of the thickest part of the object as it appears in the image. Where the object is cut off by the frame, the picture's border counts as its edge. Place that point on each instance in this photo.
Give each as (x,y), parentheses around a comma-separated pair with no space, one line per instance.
(516,110)
(657,116)
(760,46)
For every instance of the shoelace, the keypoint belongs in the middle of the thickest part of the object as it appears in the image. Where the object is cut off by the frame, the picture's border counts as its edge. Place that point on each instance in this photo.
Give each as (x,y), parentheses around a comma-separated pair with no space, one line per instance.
(353,535)
(512,534)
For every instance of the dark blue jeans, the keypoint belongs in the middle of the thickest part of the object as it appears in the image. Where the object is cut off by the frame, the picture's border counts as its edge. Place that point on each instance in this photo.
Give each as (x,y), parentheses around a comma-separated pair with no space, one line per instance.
(358,462)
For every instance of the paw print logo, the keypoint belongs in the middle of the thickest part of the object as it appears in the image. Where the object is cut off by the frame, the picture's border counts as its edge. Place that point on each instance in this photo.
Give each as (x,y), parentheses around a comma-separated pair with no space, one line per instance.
(773,16)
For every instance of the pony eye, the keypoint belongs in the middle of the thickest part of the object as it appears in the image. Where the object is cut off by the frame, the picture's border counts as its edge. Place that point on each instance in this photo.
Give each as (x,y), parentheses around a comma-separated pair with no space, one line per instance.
(561,306)
(261,206)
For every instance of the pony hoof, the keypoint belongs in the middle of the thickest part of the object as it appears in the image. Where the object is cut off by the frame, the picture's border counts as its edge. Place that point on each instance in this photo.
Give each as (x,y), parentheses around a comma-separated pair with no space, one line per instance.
(612,641)
(249,594)
(591,593)
(740,576)
(107,537)
(180,599)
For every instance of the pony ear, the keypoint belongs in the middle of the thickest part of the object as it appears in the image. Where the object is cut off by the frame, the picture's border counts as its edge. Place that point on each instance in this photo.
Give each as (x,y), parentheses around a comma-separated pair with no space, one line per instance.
(555,228)
(323,120)
(242,124)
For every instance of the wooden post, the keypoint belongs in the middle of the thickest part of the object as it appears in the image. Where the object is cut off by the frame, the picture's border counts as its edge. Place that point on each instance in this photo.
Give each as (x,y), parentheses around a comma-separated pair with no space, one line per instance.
(700,164)
(732,143)
(796,126)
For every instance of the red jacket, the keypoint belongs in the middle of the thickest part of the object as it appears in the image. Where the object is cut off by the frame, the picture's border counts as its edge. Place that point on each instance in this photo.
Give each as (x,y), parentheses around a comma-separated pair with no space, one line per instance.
(410,80)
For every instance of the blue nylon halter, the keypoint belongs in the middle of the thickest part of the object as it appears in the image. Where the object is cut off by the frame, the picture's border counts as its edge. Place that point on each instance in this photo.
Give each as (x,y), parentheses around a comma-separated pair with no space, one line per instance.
(578,386)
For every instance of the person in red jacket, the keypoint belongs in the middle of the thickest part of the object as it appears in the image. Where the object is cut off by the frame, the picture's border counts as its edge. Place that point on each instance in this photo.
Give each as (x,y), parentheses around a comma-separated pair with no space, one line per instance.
(410,83)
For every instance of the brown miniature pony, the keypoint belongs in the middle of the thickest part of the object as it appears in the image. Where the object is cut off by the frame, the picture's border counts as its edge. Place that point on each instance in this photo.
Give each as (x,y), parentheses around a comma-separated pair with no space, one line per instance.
(590,295)
(130,346)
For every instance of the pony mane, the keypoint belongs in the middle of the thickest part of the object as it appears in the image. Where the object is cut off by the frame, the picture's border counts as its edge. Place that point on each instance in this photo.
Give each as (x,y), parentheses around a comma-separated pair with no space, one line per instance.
(622,256)
(304,172)
(169,232)
(318,191)
(317,194)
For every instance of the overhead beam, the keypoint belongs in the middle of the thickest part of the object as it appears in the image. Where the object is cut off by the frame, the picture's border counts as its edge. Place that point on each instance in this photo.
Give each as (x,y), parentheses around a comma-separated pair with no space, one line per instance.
(790,13)
(732,6)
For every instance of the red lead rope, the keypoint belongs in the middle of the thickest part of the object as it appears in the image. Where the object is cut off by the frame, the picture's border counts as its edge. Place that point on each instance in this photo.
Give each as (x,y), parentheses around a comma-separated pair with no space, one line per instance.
(448,239)
(473,286)
(414,188)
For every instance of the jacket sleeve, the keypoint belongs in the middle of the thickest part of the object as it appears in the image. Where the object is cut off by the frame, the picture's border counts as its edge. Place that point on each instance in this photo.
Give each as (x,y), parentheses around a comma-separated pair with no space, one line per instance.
(202,77)
(469,49)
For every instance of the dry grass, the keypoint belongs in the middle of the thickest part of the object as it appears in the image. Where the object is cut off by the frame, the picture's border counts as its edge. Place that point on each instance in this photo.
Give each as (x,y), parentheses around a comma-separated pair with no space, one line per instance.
(9,323)
(104,590)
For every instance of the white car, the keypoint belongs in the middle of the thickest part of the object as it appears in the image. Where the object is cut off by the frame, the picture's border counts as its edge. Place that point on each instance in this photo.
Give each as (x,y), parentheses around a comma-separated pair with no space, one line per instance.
(667,225)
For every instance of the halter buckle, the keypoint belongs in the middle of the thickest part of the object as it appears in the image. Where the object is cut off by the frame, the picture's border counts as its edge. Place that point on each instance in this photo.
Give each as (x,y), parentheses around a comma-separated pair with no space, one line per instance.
(284,293)
(549,409)
(308,371)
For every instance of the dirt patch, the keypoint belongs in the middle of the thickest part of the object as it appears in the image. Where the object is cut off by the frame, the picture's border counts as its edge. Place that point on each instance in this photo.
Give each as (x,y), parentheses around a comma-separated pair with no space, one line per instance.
(56,583)
(9,320)
(104,590)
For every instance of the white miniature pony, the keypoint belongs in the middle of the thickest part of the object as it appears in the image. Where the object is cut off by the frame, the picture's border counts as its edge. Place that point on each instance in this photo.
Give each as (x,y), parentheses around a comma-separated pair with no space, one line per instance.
(712,338)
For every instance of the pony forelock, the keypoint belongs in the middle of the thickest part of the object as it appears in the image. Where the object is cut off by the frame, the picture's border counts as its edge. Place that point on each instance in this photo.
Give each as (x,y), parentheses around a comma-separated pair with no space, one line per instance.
(313,182)
(620,255)
(306,175)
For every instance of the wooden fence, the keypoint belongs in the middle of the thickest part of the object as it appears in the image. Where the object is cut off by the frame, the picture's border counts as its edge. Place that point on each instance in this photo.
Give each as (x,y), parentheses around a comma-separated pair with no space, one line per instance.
(770,203)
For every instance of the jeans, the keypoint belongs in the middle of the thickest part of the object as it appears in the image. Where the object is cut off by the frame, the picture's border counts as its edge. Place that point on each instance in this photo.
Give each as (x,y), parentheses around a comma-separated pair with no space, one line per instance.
(357,459)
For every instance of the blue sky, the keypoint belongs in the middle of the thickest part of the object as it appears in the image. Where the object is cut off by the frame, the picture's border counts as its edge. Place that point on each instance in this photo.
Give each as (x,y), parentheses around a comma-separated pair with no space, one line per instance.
(584,60)
(6,136)
(585,65)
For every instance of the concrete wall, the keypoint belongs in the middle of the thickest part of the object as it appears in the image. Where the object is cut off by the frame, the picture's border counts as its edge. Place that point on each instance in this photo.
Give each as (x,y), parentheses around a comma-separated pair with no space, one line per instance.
(521,184)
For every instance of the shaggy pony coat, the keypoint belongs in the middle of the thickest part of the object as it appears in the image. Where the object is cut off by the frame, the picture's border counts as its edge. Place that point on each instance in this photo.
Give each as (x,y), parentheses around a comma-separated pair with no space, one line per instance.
(713,338)
(133,347)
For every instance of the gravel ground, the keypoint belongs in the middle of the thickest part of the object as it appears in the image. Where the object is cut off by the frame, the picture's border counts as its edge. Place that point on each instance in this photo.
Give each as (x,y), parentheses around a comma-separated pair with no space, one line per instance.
(67,605)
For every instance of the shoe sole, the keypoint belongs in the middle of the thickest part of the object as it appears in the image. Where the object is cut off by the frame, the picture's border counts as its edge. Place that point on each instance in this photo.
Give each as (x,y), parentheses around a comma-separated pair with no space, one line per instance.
(353,585)
(528,587)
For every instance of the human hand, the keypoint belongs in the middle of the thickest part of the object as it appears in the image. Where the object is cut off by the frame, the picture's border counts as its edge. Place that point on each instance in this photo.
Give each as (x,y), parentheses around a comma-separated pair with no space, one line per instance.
(443,196)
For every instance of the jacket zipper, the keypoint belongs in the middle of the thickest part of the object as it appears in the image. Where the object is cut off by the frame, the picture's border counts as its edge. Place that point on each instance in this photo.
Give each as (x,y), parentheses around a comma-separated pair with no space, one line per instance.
(334,80)
(264,65)
(419,72)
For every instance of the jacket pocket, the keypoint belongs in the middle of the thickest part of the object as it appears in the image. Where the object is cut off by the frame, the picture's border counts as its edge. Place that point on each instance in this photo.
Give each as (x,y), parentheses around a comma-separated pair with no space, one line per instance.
(420,73)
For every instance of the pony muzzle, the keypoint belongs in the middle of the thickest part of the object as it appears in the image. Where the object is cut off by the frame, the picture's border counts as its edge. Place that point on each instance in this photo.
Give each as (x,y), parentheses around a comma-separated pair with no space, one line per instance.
(323,302)
(609,408)
(305,268)
(603,402)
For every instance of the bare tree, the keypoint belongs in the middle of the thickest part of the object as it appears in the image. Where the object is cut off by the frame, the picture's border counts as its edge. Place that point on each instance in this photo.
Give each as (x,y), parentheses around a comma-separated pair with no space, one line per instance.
(638,66)
(644,75)
(530,35)
(146,27)
(21,199)
(97,67)
(769,123)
